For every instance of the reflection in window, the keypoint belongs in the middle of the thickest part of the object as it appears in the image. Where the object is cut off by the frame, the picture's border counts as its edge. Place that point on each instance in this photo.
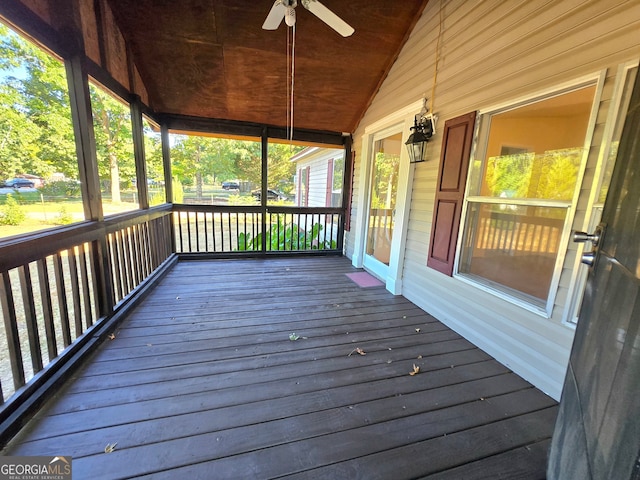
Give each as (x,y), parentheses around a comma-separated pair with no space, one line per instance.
(514,246)
(114,149)
(549,175)
(521,192)
(39,183)
(382,200)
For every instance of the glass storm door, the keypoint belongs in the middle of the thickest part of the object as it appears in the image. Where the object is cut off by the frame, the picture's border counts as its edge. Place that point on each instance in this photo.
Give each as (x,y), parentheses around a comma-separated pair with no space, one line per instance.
(598,427)
(383,188)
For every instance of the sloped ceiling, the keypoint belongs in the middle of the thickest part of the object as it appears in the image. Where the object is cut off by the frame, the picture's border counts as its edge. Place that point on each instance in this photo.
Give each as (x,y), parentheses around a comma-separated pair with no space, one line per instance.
(212,59)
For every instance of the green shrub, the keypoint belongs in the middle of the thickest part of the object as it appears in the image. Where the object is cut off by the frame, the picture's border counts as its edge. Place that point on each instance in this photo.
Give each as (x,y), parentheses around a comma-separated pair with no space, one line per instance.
(236,199)
(64,217)
(62,188)
(157,198)
(281,237)
(178,191)
(11,212)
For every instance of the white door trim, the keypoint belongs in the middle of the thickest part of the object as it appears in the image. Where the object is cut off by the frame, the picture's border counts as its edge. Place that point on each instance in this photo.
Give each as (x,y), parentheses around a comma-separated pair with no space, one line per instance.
(400,121)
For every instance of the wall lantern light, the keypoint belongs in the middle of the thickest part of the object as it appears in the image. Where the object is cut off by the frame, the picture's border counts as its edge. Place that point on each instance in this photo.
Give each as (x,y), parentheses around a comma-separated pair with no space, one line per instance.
(424,127)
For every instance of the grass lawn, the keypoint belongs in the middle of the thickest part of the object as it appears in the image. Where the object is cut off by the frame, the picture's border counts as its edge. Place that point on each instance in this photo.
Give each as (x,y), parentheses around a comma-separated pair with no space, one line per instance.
(40,216)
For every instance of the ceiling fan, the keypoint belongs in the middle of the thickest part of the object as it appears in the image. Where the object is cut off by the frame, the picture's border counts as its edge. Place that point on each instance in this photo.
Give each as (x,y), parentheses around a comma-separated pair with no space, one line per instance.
(286,9)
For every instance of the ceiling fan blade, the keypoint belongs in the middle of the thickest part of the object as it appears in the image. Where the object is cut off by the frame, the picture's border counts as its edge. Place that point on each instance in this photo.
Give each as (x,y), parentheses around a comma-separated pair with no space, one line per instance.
(275,16)
(328,17)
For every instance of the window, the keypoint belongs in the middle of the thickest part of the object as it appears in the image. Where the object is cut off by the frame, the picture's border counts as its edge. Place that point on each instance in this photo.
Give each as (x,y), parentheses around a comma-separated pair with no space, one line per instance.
(39,177)
(303,187)
(383,193)
(521,193)
(336,181)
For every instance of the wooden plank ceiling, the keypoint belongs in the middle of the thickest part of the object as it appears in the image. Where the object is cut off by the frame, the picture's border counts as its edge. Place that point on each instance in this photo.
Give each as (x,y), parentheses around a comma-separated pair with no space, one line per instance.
(212,59)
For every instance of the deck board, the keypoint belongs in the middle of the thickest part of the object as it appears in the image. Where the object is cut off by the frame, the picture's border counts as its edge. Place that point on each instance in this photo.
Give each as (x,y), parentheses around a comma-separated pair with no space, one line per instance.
(202,377)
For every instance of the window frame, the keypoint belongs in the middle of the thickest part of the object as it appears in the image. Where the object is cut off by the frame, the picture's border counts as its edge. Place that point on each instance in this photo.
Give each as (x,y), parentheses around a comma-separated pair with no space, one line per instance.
(478,151)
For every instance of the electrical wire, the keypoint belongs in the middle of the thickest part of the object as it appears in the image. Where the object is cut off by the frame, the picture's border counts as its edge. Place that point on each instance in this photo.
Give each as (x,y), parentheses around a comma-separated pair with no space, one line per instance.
(293,76)
(435,68)
(287,104)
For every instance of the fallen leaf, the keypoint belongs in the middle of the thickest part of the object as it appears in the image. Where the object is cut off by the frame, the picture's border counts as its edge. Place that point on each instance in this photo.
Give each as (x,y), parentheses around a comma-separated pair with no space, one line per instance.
(419,357)
(110,447)
(416,369)
(293,337)
(358,351)
(112,336)
(417,330)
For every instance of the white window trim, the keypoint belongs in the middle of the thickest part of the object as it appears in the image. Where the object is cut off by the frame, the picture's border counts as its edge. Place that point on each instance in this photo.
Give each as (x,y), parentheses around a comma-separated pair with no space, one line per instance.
(595,79)
(579,271)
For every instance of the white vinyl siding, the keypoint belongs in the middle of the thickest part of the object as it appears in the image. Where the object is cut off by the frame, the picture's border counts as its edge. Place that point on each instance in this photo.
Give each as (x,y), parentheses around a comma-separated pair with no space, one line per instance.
(317,161)
(495,52)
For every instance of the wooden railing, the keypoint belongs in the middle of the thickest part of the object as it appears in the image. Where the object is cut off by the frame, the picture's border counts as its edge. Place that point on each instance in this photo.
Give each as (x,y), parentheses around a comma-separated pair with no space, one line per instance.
(58,288)
(62,290)
(518,233)
(242,230)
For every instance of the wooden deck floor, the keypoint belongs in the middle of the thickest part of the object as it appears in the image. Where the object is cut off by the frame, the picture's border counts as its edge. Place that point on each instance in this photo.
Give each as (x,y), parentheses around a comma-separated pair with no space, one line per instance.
(203,382)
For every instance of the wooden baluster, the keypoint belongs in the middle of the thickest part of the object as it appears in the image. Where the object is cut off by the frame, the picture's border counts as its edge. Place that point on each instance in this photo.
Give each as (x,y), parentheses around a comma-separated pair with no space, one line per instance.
(47,308)
(30,317)
(86,289)
(62,299)
(11,330)
(75,290)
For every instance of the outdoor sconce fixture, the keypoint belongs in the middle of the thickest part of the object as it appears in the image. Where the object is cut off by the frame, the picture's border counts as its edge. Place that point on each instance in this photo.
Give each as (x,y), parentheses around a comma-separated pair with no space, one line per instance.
(423,129)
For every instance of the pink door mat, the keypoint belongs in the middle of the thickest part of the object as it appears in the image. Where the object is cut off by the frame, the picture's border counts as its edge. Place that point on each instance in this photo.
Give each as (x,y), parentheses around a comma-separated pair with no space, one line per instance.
(364,279)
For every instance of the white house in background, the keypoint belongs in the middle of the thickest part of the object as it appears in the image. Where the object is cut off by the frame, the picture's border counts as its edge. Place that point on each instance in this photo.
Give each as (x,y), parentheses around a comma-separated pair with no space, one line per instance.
(319,177)
(529,98)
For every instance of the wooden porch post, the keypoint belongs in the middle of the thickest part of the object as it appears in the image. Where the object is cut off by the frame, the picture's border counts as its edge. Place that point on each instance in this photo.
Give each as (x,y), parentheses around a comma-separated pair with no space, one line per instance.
(138,152)
(346,189)
(264,186)
(168,180)
(67,16)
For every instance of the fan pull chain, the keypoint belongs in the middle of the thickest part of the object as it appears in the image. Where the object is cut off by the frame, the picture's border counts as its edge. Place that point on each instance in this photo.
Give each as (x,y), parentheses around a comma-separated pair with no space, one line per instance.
(287,104)
(293,76)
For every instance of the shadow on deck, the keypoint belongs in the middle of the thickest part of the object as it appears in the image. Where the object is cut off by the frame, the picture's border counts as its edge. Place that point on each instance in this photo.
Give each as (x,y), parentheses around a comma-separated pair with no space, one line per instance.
(204,381)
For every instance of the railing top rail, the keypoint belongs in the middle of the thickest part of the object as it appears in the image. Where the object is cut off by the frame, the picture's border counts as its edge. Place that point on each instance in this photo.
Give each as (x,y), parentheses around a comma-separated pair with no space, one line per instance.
(17,251)
(181,207)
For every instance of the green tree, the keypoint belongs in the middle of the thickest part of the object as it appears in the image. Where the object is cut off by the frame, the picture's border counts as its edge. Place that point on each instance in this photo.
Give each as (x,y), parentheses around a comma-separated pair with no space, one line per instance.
(191,156)
(114,140)
(280,167)
(36,133)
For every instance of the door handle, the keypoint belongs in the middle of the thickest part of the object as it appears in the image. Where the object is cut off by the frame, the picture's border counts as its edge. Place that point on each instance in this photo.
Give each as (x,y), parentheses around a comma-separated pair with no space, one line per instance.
(582,237)
(589,258)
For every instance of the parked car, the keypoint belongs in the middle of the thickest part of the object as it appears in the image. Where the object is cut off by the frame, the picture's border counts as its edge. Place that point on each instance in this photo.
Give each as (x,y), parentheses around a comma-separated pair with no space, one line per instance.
(231,185)
(19,183)
(271,195)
